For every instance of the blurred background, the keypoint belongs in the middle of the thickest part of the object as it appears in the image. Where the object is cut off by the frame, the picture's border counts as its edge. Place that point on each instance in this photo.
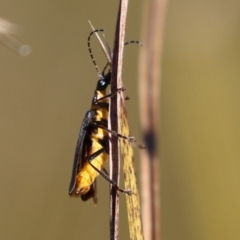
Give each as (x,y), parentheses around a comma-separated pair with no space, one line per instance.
(44,97)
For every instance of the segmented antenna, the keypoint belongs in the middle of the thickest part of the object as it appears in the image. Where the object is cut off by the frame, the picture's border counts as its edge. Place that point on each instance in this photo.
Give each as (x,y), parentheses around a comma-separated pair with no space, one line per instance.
(103,72)
(133,41)
(91,54)
(126,43)
(90,49)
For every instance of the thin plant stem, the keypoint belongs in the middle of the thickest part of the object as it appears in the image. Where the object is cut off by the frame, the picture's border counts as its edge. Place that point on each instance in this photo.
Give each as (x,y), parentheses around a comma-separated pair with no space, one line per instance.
(149,95)
(116,82)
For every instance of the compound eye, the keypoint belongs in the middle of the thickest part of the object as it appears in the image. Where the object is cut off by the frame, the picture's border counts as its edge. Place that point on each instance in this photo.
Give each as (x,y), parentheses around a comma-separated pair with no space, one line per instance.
(102,84)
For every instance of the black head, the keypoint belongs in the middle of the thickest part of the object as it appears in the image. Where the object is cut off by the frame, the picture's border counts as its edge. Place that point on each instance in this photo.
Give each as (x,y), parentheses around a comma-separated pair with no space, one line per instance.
(103,83)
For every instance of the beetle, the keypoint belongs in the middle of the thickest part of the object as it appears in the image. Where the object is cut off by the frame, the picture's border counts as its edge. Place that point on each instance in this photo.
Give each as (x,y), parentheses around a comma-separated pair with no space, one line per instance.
(92,147)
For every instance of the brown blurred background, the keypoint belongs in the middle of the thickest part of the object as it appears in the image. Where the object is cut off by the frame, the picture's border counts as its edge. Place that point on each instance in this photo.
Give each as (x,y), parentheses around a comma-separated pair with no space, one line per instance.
(44,96)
